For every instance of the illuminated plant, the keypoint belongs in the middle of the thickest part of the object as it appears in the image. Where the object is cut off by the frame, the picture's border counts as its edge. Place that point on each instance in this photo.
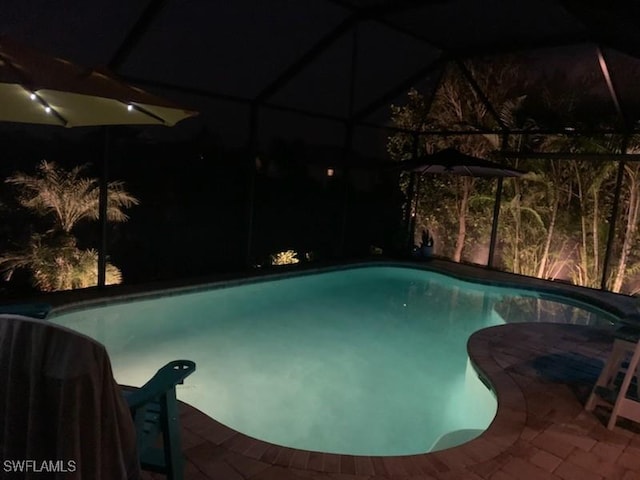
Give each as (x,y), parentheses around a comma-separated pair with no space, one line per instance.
(286,257)
(69,196)
(66,198)
(58,264)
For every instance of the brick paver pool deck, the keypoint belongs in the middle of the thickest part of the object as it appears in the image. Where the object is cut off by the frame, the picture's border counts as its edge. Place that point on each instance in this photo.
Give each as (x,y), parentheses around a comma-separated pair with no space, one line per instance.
(542,374)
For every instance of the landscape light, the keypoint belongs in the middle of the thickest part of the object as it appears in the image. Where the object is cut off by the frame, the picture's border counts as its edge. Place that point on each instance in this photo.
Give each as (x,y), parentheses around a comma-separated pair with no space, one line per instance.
(330,172)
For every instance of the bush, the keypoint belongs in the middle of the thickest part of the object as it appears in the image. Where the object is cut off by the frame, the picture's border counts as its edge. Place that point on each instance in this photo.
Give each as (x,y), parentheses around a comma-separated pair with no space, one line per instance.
(286,257)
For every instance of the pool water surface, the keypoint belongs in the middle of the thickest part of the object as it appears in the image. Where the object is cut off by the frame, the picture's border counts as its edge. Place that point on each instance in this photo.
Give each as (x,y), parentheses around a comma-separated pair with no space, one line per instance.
(364,361)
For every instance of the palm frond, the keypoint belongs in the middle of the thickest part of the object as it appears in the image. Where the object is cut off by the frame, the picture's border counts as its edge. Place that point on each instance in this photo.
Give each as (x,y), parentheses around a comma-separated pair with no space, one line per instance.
(69,196)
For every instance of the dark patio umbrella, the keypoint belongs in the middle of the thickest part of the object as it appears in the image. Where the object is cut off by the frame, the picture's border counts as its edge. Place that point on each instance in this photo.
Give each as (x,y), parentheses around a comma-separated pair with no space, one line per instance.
(41,89)
(454,162)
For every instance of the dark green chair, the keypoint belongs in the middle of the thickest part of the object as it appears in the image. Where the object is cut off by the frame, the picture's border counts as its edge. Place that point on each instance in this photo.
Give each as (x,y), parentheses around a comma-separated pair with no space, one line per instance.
(154,409)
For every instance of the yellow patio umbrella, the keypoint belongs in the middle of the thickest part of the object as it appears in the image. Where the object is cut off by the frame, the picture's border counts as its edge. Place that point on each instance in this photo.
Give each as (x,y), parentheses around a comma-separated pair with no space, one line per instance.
(38,88)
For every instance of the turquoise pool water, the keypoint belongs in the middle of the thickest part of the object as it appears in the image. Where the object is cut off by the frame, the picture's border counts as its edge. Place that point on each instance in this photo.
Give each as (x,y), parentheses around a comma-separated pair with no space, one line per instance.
(362,361)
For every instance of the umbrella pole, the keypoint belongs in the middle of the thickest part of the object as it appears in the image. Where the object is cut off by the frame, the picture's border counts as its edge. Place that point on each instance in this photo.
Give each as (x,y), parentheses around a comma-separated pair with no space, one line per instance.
(102,215)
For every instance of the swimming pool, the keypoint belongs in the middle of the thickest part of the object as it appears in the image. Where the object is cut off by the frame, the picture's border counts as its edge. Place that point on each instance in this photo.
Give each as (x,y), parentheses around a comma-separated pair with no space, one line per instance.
(368,361)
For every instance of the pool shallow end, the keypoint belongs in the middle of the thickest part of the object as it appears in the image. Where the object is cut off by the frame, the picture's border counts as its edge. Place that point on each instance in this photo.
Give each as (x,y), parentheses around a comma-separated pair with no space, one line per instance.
(536,418)
(503,432)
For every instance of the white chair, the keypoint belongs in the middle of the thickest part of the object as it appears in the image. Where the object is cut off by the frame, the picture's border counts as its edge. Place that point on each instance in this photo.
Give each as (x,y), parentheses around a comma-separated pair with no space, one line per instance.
(616,386)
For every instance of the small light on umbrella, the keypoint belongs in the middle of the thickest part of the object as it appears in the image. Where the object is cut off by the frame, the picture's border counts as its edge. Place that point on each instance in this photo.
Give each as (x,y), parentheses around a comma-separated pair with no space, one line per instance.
(130,107)
(46,107)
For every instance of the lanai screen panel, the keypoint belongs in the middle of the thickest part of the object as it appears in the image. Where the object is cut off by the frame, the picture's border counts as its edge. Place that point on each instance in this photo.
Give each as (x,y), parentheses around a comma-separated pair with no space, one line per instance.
(236,48)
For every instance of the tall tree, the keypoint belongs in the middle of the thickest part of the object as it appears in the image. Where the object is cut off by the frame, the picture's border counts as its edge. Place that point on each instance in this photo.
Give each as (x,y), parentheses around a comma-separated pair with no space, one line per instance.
(630,215)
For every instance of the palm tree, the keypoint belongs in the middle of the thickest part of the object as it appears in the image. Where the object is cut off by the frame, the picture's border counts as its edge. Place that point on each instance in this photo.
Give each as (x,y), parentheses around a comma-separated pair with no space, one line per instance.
(69,196)
(53,259)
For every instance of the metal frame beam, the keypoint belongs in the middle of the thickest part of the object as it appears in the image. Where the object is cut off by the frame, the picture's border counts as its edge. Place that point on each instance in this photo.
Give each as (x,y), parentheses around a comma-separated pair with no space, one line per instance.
(407,83)
(357,14)
(357,117)
(314,52)
(232,98)
(136,32)
(348,143)
(501,48)
(496,210)
(483,97)
(103,200)
(376,13)
(549,131)
(596,157)
(593,17)
(252,149)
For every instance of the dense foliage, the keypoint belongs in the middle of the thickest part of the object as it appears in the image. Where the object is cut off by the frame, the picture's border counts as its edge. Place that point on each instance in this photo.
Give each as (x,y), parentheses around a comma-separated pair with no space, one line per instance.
(554,221)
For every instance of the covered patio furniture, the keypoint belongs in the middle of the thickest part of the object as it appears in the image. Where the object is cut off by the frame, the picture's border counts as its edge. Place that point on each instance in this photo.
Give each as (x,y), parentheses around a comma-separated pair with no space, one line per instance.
(65,414)
(33,310)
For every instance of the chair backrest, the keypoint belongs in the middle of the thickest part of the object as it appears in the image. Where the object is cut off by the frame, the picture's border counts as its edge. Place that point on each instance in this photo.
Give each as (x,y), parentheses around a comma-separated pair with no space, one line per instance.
(155,412)
(60,406)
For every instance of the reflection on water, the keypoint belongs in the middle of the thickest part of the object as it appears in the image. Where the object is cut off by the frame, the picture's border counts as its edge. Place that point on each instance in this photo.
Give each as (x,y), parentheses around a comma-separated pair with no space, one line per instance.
(517,309)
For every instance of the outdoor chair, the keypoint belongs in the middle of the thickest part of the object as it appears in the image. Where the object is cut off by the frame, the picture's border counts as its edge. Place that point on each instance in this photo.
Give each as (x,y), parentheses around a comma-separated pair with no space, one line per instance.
(617,385)
(154,409)
(63,411)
